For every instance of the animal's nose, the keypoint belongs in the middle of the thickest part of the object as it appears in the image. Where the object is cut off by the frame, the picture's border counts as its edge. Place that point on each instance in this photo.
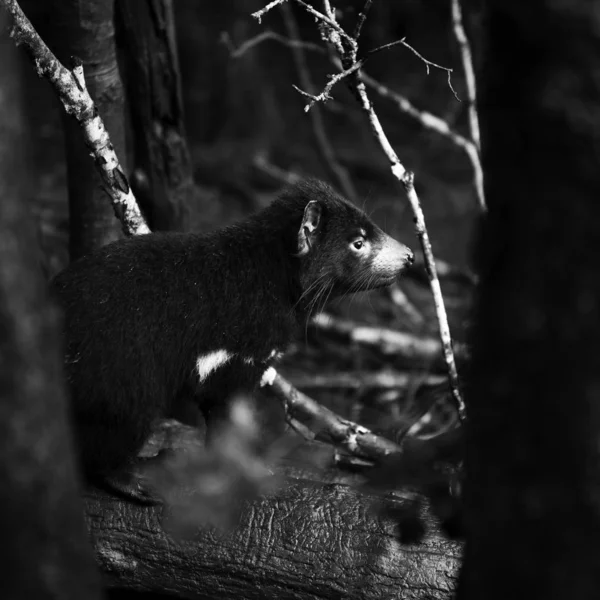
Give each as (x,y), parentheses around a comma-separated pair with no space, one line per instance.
(410,257)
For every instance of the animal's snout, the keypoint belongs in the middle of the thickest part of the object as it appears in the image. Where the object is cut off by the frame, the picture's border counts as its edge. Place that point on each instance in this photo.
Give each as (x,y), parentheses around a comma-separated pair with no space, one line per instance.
(392,257)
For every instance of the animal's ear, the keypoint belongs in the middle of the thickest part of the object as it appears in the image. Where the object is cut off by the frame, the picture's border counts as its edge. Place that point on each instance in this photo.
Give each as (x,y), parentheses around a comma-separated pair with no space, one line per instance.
(308,227)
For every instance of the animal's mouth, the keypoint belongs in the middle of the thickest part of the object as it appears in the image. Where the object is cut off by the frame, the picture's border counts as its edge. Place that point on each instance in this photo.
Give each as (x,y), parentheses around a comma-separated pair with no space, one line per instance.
(384,281)
(381,282)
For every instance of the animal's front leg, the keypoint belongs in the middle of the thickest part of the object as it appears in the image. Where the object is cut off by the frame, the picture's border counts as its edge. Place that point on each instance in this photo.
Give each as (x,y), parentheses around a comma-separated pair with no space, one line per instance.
(217,394)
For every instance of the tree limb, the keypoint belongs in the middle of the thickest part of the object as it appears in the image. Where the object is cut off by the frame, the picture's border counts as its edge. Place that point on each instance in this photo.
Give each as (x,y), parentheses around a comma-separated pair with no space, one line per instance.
(467,61)
(72,92)
(292,544)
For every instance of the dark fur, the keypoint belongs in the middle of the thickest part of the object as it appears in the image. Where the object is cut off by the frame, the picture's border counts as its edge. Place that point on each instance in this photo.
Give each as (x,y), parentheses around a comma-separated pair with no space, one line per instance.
(140,311)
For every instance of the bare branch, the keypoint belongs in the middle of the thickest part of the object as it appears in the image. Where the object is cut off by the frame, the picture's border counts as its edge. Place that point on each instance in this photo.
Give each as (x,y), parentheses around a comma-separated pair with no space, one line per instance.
(385,46)
(259,13)
(399,298)
(333,79)
(385,380)
(354,438)
(434,123)
(362,16)
(262,37)
(72,92)
(318,126)
(406,178)
(427,119)
(467,61)
(330,20)
(429,63)
(387,341)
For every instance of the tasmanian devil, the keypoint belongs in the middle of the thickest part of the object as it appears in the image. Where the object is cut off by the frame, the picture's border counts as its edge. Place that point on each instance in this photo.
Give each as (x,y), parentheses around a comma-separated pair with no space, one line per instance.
(151,319)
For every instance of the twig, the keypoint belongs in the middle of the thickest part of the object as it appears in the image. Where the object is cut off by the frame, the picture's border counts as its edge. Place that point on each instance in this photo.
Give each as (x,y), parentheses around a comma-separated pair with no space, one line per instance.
(383,380)
(262,37)
(465,51)
(386,46)
(427,119)
(399,298)
(467,61)
(429,63)
(387,341)
(72,92)
(324,146)
(258,15)
(333,80)
(349,435)
(362,16)
(329,20)
(434,123)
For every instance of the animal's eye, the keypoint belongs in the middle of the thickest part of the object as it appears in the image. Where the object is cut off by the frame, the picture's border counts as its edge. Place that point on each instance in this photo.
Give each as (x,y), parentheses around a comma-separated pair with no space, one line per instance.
(358,244)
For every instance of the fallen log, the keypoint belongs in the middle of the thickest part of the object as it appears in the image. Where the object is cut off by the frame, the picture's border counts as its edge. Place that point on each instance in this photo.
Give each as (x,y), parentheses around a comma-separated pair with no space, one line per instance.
(307,540)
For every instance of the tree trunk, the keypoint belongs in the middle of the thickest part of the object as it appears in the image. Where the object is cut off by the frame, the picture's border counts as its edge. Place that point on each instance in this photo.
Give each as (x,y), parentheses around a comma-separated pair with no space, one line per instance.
(533,477)
(153,81)
(46,552)
(85,29)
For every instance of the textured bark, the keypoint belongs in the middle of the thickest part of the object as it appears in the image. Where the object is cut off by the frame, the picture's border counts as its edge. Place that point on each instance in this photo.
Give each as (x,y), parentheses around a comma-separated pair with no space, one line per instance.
(306,541)
(45,548)
(153,81)
(533,483)
(84,29)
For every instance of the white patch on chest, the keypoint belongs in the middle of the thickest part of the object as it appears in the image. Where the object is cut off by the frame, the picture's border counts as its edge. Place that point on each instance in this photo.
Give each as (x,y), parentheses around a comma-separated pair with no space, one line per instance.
(268,377)
(207,363)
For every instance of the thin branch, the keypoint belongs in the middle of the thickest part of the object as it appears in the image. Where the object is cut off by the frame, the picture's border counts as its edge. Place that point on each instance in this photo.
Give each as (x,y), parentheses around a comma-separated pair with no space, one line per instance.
(333,80)
(354,438)
(262,37)
(429,63)
(434,123)
(427,119)
(389,342)
(385,46)
(331,36)
(258,15)
(72,92)
(467,61)
(399,298)
(384,380)
(362,16)
(329,20)
(324,146)
(475,157)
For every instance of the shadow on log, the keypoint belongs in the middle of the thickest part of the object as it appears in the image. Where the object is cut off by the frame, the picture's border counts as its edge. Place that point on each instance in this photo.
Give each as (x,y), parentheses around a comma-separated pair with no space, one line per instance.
(307,540)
